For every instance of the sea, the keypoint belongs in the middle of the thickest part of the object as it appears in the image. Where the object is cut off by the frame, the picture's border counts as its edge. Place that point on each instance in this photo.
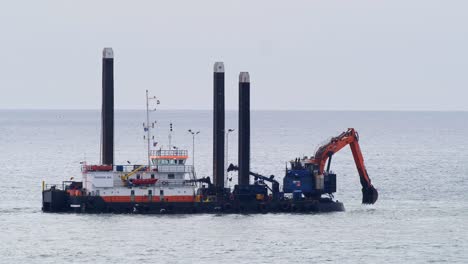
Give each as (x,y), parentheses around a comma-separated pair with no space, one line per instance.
(418,161)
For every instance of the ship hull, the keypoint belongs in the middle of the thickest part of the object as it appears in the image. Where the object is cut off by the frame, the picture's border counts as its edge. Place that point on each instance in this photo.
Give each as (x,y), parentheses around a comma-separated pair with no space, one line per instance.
(96,204)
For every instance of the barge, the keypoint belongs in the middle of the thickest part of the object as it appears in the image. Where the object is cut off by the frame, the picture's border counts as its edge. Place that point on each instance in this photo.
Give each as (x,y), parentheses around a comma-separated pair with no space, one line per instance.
(167,185)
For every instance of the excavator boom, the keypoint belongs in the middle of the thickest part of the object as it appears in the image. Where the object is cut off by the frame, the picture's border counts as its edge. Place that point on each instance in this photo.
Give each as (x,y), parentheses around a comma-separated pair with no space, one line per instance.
(351,138)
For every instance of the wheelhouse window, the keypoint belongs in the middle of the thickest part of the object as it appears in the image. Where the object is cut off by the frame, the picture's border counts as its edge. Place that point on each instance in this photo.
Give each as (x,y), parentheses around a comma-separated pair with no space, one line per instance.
(167,161)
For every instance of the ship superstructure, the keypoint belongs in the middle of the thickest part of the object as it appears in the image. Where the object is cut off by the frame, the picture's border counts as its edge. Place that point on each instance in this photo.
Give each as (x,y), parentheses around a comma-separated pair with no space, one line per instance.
(164,180)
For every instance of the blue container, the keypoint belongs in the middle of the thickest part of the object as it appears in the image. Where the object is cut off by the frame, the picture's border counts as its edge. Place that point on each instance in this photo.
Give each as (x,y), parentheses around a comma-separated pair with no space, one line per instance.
(119,167)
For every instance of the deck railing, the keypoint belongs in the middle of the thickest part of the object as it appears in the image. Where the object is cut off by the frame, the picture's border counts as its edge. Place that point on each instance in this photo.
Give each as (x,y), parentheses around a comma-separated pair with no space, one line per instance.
(57,186)
(153,168)
(172,152)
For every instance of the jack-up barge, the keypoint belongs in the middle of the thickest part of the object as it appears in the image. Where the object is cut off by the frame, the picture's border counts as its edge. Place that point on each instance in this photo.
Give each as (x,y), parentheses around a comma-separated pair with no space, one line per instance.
(166,185)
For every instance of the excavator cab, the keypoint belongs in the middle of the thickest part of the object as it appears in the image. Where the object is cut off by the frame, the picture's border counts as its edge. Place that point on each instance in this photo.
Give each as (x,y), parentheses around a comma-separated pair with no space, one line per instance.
(304,179)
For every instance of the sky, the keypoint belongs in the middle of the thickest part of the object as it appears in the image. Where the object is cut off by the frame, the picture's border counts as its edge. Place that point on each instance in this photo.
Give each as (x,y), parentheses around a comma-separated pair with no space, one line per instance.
(301,55)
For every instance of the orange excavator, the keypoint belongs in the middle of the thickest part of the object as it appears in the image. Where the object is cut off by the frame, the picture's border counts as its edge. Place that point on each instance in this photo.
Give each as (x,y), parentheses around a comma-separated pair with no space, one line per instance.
(325,152)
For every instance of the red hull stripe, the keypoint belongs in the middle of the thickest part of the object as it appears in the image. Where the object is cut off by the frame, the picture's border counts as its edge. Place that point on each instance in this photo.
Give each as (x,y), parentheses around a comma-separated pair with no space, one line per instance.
(146,199)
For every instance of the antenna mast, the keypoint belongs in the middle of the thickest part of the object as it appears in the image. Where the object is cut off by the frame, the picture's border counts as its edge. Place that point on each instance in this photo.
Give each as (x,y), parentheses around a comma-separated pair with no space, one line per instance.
(147,127)
(170,135)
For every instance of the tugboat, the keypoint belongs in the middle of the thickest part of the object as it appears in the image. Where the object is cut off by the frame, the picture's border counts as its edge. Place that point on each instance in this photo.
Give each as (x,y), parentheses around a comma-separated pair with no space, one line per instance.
(167,185)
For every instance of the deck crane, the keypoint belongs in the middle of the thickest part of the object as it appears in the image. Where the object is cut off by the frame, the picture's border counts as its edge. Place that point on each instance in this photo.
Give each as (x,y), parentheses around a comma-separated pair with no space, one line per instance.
(274,183)
(326,151)
(127,176)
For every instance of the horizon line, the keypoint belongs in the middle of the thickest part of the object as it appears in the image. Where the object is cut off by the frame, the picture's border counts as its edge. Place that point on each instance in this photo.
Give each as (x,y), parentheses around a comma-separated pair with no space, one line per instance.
(258,110)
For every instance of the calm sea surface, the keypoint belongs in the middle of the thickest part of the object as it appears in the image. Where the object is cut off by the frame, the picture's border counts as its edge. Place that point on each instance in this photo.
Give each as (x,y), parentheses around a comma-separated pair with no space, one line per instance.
(417,160)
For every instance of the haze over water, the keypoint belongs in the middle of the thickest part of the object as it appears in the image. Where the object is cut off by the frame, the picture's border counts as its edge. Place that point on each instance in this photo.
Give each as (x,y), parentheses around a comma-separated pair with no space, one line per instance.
(417,160)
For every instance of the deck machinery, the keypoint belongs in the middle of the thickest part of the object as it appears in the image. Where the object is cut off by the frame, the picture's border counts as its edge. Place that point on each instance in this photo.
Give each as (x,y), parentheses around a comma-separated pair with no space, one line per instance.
(166,185)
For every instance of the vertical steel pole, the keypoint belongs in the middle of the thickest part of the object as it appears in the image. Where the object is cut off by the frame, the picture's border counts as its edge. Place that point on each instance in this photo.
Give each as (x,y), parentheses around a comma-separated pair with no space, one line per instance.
(193,151)
(226,158)
(107,114)
(244,129)
(218,129)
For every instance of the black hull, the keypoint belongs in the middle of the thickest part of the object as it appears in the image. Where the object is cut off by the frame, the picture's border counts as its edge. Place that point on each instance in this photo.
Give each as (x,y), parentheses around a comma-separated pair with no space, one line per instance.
(95,204)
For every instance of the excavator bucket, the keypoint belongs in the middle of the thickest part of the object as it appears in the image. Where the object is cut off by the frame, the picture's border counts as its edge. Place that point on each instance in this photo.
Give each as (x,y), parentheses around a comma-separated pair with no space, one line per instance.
(369,195)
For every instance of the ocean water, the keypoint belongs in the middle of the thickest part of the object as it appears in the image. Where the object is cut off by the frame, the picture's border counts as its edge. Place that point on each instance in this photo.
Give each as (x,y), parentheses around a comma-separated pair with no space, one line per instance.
(417,160)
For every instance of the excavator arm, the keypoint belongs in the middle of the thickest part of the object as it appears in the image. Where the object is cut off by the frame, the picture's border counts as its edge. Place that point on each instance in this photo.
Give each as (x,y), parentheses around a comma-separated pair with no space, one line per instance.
(351,138)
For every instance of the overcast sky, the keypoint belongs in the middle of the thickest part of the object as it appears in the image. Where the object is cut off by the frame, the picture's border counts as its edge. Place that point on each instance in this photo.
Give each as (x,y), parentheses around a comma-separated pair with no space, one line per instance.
(319,55)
